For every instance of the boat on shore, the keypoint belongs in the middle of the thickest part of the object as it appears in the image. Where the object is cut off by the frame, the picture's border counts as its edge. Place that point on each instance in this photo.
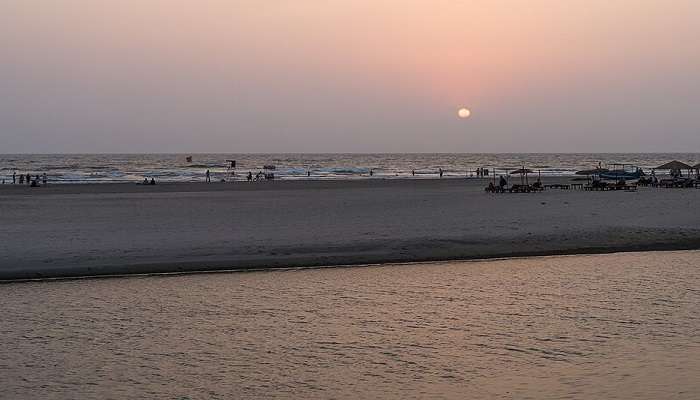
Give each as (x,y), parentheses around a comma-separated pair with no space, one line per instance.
(618,172)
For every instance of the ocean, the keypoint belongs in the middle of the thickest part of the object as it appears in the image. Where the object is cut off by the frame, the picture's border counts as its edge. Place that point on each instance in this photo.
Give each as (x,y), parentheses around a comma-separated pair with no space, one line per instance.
(106,168)
(616,326)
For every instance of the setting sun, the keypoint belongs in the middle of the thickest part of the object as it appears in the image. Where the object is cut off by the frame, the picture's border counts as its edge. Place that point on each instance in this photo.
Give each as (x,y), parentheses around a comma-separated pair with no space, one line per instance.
(464,112)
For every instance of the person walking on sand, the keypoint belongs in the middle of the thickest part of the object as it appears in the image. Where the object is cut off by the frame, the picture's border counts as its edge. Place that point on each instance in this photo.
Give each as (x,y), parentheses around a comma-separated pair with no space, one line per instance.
(208,175)
(440,172)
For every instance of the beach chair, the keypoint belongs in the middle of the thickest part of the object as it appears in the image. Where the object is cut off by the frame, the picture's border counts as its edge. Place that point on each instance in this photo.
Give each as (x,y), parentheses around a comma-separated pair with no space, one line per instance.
(665,183)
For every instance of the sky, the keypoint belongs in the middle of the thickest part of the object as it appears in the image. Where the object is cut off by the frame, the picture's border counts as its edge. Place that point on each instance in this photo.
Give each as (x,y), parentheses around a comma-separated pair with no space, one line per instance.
(114,76)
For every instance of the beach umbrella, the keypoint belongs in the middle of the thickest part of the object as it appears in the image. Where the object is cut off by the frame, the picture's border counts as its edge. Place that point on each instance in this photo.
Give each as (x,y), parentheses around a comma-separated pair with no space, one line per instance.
(523,173)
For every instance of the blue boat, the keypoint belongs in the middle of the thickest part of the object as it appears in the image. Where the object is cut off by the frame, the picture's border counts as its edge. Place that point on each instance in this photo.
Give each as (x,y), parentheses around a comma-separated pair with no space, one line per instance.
(622,172)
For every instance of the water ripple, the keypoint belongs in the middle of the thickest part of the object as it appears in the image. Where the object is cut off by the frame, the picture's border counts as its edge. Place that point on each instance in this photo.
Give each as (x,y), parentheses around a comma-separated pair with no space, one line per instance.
(610,326)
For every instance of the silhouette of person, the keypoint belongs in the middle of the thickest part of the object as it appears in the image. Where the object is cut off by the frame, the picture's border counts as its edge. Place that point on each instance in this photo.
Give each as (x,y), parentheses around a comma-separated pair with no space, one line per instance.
(153,181)
(14,177)
(371,172)
(21,179)
(208,175)
(440,172)
(250,176)
(44,179)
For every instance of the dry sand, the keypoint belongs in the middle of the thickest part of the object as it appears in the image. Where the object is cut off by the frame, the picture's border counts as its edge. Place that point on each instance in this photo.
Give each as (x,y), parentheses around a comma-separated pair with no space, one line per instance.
(78,230)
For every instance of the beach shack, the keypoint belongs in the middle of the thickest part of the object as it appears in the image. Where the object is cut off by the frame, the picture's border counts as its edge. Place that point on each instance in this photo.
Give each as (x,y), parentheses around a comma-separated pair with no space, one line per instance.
(676,178)
(675,168)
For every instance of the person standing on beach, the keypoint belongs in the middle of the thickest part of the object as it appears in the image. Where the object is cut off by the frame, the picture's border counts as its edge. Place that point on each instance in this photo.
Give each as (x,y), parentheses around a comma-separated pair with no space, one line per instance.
(44,179)
(29,179)
(371,172)
(21,179)
(440,172)
(14,177)
(208,175)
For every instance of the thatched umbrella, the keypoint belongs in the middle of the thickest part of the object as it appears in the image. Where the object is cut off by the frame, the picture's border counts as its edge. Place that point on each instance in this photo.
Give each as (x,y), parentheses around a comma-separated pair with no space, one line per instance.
(675,165)
(523,174)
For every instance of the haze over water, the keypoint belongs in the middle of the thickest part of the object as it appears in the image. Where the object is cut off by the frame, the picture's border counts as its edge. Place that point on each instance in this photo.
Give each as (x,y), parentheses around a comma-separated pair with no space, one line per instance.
(620,326)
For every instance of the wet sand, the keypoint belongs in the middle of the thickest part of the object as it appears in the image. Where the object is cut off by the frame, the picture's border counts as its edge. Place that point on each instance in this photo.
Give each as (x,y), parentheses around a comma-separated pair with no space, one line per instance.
(104,229)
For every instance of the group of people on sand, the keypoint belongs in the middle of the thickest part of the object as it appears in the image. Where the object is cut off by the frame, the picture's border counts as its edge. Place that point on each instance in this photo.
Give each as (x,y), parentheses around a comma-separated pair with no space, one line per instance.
(651,180)
(503,185)
(28,179)
(259,176)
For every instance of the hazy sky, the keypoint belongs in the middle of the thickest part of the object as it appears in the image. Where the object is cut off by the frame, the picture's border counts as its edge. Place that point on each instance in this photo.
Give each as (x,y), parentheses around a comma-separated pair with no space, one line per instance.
(349,76)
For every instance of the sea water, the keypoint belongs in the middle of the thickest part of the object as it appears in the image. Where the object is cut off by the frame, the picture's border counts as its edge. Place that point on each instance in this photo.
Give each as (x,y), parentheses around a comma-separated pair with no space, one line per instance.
(619,326)
(102,168)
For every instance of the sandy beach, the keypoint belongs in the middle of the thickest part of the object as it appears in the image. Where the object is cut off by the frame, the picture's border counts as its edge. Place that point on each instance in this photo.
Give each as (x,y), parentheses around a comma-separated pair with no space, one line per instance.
(79,230)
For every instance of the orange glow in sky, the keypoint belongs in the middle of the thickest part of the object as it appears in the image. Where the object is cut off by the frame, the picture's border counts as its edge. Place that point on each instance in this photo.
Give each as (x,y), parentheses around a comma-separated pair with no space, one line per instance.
(169,67)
